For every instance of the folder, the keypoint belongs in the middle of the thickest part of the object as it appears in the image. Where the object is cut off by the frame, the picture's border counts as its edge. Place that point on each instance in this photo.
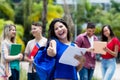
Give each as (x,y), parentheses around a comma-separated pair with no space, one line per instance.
(34,50)
(98,47)
(15,49)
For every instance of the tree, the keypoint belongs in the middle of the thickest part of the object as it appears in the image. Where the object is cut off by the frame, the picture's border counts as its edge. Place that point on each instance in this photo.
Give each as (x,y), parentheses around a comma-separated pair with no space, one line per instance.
(27,11)
(95,13)
(6,11)
(82,14)
(68,18)
(34,11)
(44,15)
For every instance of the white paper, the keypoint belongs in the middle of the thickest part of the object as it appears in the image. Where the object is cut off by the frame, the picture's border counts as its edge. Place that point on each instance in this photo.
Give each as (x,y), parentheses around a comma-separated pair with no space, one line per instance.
(69,53)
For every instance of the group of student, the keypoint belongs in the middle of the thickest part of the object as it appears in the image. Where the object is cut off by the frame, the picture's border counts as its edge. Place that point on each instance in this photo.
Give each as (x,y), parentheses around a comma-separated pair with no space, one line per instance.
(59,37)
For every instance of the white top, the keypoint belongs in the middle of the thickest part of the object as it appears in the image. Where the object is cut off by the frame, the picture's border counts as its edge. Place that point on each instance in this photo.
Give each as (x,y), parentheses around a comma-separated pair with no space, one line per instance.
(30,46)
(4,65)
(91,40)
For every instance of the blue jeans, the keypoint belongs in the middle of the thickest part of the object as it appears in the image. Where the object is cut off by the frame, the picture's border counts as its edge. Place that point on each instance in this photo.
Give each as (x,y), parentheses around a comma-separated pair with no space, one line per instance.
(33,76)
(15,75)
(108,68)
(86,74)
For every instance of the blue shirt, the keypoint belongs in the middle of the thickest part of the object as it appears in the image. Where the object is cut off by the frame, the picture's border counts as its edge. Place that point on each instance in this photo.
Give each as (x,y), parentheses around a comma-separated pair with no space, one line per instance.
(63,71)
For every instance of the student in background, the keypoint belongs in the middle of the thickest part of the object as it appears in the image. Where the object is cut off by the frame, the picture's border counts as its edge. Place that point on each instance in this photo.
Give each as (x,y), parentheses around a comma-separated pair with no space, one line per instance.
(86,40)
(108,60)
(11,71)
(36,30)
(60,39)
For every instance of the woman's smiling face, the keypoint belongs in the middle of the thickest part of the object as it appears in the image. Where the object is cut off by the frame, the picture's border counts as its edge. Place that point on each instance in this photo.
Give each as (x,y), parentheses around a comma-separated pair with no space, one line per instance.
(60,30)
(12,31)
(106,31)
(36,30)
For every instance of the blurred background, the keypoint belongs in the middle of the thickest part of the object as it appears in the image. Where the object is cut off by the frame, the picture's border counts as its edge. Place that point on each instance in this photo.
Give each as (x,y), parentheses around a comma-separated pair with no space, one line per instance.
(76,12)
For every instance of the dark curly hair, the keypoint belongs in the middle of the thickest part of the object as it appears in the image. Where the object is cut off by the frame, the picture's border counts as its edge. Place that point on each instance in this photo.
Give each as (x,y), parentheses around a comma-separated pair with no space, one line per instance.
(51,32)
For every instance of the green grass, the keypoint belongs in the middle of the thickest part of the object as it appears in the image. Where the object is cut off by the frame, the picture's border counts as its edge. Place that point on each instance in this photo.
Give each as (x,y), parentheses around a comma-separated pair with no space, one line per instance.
(94,78)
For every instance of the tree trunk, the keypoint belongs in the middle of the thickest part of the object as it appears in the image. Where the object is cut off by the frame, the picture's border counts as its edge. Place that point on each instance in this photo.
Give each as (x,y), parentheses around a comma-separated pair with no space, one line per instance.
(44,16)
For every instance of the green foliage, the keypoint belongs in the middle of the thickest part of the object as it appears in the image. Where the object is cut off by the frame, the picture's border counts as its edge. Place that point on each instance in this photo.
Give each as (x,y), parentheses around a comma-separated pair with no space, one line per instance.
(116,5)
(95,13)
(108,18)
(20,30)
(53,11)
(2,23)
(7,10)
(88,5)
(116,31)
(19,37)
(28,11)
(98,31)
(36,12)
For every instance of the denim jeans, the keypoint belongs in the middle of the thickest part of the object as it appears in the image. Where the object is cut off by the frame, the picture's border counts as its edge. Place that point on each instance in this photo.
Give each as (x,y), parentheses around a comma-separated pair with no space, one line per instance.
(86,74)
(108,68)
(33,76)
(15,75)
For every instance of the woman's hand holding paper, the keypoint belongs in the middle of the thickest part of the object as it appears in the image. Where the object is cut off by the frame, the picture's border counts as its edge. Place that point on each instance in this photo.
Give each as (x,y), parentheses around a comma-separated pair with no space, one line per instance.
(81,60)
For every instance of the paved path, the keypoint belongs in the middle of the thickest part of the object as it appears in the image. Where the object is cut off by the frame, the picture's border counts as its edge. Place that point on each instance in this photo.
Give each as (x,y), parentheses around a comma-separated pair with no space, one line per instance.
(98,73)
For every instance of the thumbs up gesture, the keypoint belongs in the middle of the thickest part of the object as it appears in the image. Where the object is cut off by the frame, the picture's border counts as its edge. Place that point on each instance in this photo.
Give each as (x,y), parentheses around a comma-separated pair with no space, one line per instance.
(51,50)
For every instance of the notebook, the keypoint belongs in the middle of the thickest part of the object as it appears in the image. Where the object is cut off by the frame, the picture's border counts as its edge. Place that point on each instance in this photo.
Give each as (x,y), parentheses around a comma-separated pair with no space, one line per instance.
(34,50)
(98,47)
(15,49)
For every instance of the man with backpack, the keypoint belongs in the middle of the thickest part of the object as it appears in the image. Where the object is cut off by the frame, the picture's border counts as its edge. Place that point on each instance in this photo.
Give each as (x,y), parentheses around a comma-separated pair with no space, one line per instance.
(32,48)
